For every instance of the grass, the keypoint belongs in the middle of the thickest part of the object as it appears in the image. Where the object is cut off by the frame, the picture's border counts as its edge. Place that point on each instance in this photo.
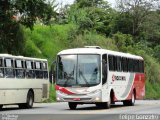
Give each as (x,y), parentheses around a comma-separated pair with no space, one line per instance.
(52,94)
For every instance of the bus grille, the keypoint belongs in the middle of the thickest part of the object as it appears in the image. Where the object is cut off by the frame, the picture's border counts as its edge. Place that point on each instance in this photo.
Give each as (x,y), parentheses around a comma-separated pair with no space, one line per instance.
(81,99)
(45,91)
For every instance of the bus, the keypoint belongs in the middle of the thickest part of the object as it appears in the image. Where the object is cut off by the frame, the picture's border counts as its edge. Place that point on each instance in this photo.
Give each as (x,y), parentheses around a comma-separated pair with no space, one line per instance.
(92,75)
(23,80)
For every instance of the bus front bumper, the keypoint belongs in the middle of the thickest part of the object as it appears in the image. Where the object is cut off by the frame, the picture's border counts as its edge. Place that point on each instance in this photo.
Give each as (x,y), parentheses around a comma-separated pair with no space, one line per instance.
(91,97)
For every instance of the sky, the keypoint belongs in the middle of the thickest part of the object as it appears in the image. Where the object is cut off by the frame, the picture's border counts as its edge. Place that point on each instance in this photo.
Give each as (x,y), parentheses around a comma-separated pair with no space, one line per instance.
(112,2)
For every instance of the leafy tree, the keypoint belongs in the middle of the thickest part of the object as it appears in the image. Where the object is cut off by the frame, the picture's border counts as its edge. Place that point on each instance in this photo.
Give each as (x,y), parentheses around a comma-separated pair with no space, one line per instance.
(90,15)
(92,3)
(123,41)
(151,29)
(25,12)
(135,12)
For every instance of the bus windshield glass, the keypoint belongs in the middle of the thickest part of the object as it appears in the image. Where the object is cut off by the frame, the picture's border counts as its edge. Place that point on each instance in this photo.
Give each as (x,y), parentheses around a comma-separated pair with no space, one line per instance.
(78,70)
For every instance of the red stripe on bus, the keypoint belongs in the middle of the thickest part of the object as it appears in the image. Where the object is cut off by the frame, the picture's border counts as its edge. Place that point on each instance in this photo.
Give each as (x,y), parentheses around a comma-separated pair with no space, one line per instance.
(64,90)
(139,86)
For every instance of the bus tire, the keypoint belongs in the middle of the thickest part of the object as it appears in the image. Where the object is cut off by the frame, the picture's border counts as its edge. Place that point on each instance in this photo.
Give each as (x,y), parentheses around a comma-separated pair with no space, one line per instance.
(130,102)
(30,99)
(104,105)
(72,105)
(22,106)
(108,104)
(100,105)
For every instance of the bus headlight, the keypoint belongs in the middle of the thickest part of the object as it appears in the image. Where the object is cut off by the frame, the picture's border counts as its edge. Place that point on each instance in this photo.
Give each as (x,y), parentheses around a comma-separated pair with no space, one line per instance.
(96,95)
(97,99)
(58,98)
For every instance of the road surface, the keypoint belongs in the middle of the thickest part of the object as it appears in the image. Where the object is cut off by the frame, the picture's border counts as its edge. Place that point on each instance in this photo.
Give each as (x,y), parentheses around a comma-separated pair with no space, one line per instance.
(46,111)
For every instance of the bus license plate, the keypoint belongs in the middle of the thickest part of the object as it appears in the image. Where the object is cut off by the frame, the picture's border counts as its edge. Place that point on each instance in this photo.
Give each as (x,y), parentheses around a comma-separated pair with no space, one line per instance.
(76,99)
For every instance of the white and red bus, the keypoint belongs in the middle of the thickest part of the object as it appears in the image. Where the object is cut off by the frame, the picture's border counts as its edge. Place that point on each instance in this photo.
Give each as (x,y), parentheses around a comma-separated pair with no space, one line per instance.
(23,80)
(98,76)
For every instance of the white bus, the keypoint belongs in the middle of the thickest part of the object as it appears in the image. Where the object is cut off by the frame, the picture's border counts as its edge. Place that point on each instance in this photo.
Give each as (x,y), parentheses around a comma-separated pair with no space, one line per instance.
(23,80)
(97,76)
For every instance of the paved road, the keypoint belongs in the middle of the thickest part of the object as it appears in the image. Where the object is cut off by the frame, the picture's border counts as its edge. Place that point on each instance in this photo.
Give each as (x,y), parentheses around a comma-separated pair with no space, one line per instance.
(52,109)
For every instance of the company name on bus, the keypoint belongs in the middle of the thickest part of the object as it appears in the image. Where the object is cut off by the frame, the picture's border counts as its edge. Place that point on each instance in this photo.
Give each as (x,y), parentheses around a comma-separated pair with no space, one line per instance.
(118,78)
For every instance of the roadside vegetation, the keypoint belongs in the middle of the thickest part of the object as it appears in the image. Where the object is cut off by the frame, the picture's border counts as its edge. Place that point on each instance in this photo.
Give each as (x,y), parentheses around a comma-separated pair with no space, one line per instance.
(132,27)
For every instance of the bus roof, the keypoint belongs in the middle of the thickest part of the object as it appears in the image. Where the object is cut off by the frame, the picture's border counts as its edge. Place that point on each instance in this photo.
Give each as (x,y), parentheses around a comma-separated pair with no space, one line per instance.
(21,57)
(97,51)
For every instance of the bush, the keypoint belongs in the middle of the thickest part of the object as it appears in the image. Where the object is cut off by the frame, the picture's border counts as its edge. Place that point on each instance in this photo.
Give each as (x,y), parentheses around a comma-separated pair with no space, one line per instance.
(123,41)
(46,41)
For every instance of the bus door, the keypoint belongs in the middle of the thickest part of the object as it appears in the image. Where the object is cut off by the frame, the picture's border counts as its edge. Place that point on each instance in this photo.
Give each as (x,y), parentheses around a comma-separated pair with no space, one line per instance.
(104,76)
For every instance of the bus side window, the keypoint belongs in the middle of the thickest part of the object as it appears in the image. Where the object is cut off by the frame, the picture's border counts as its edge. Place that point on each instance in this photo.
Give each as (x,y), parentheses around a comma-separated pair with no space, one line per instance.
(19,69)
(45,70)
(141,66)
(115,63)
(30,69)
(110,58)
(124,64)
(104,68)
(119,67)
(130,65)
(1,68)
(9,68)
(38,70)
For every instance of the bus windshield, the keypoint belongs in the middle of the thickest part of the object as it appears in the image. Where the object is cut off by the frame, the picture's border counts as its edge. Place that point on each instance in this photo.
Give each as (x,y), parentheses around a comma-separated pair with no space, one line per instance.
(78,70)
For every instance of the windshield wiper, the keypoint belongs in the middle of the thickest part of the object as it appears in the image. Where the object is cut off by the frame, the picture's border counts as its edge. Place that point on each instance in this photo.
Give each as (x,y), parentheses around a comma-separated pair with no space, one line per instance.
(69,77)
(87,84)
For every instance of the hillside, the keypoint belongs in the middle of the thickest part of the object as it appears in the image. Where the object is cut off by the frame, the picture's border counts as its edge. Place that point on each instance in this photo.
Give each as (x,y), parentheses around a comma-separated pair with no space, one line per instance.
(47,41)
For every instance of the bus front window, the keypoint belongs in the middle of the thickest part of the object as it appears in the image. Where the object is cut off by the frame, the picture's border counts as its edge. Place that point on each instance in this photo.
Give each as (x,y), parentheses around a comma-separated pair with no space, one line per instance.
(88,70)
(81,70)
(67,70)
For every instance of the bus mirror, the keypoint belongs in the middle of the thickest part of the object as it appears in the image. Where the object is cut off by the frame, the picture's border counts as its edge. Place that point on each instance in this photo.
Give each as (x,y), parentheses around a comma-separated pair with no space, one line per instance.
(53,72)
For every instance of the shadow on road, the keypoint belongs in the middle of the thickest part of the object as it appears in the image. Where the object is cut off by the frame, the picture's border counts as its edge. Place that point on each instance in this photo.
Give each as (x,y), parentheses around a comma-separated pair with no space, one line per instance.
(97,108)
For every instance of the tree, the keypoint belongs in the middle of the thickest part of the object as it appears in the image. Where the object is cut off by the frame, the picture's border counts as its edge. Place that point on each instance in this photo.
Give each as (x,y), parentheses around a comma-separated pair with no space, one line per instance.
(92,3)
(123,41)
(91,15)
(137,10)
(151,28)
(13,13)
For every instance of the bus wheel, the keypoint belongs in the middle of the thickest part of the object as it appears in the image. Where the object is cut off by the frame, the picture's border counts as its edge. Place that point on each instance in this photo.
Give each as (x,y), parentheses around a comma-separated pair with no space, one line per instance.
(30,99)
(108,104)
(100,105)
(29,103)
(72,105)
(22,106)
(130,102)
